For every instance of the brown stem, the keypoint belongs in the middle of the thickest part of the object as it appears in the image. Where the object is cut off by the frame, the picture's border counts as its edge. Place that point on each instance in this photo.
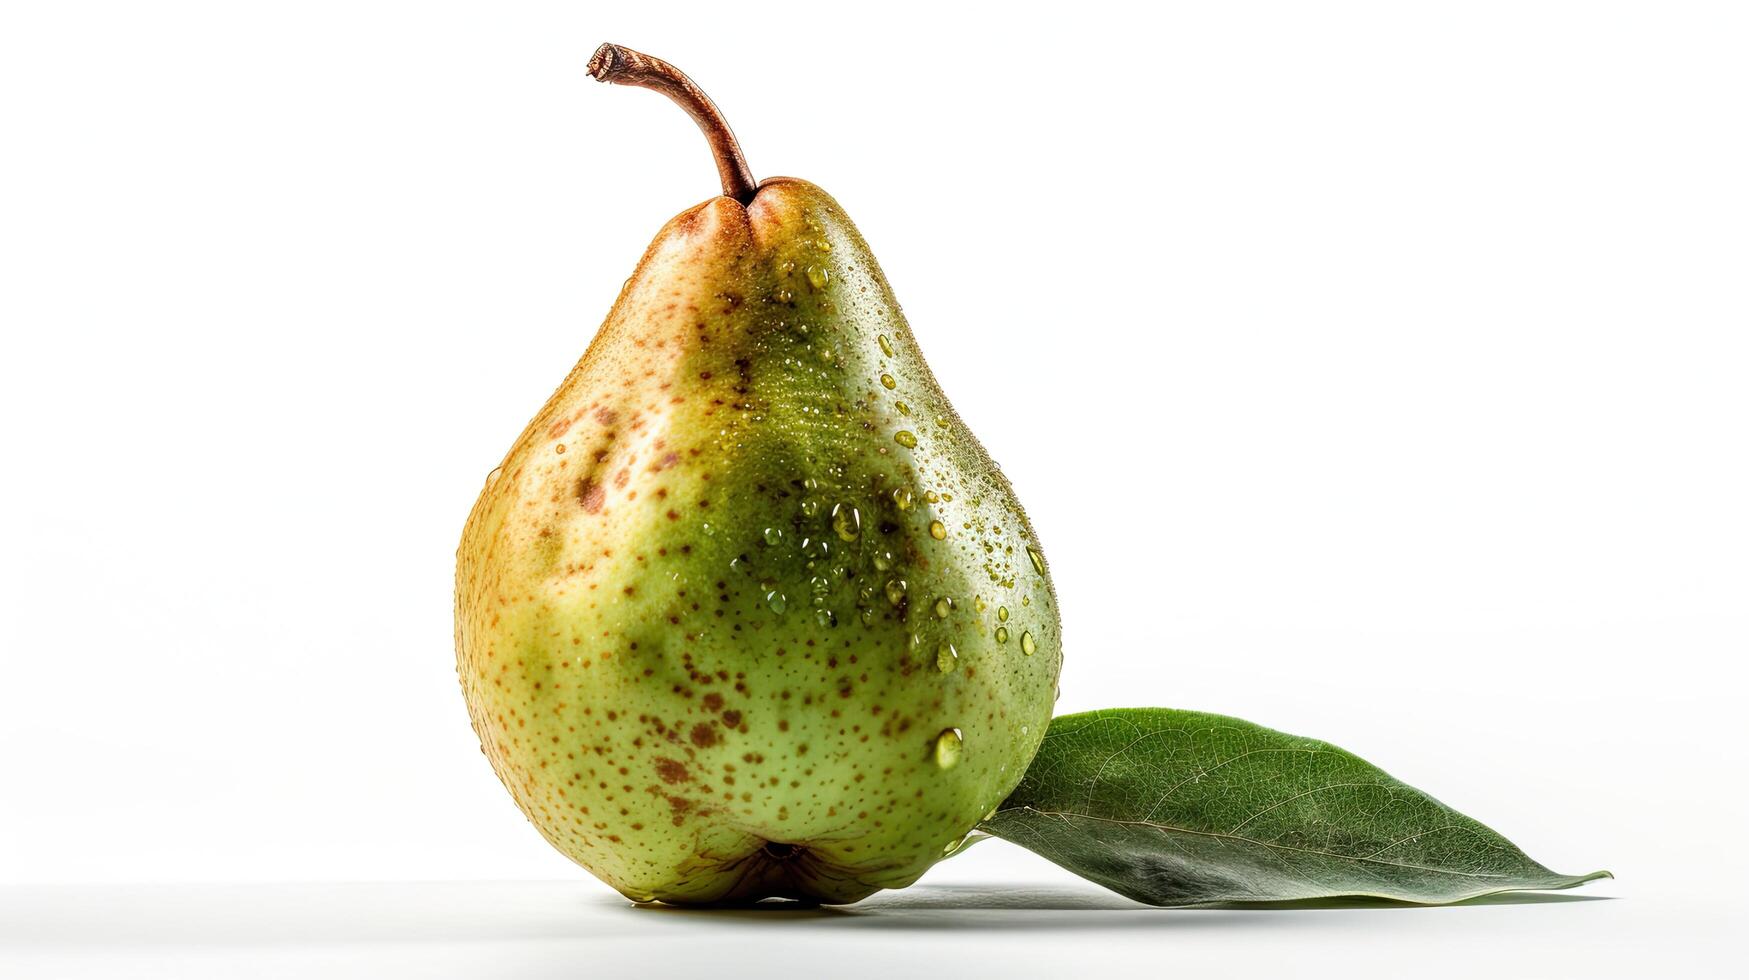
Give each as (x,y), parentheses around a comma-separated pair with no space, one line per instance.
(623,66)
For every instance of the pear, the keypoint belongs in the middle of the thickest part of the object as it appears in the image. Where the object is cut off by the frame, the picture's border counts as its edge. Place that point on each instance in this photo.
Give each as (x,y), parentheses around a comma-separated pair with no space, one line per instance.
(747,611)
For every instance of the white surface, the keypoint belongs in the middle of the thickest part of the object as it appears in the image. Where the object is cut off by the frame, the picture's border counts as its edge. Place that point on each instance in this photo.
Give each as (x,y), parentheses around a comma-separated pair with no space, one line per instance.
(1374,372)
(570,929)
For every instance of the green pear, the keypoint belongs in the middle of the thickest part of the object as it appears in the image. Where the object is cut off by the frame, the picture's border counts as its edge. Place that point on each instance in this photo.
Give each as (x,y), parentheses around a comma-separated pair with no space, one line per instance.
(747,611)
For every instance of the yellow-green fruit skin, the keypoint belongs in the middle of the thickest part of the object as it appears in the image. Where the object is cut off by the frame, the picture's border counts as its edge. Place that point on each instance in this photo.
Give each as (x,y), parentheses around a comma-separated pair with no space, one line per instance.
(727,616)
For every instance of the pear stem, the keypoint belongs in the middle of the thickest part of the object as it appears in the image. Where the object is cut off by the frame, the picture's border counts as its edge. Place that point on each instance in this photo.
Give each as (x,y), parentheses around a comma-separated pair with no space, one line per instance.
(623,66)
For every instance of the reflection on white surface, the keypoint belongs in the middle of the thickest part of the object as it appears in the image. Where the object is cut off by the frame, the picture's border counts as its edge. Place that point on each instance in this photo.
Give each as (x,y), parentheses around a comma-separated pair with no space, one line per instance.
(575,929)
(95,917)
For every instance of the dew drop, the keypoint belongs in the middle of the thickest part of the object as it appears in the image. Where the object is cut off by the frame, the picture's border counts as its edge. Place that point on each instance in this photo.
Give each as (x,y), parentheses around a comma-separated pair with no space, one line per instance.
(931,496)
(1001,634)
(707,530)
(773,535)
(903,408)
(560,449)
(886,345)
(946,658)
(818,277)
(947,748)
(1002,613)
(1038,560)
(902,498)
(847,521)
(826,618)
(906,438)
(1027,646)
(895,590)
(888,382)
(937,530)
(785,296)
(777,601)
(810,508)
(883,560)
(943,606)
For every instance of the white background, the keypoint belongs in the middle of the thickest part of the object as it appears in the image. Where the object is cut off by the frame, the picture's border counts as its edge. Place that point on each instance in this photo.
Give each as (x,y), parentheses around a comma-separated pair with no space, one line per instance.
(1373,371)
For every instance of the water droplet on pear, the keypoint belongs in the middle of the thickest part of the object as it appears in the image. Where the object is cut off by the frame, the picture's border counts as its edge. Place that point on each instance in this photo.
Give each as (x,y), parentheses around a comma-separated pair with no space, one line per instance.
(948,746)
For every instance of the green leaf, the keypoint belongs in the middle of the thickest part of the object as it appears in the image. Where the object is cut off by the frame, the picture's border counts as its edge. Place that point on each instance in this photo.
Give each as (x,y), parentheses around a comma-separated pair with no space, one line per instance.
(1183,808)
(965,844)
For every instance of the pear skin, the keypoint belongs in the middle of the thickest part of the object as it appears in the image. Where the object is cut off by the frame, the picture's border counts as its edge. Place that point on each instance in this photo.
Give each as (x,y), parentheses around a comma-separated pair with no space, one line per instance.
(747,611)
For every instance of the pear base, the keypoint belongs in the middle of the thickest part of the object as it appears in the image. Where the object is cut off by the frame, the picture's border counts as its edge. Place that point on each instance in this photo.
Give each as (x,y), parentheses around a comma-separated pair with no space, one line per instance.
(772,870)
